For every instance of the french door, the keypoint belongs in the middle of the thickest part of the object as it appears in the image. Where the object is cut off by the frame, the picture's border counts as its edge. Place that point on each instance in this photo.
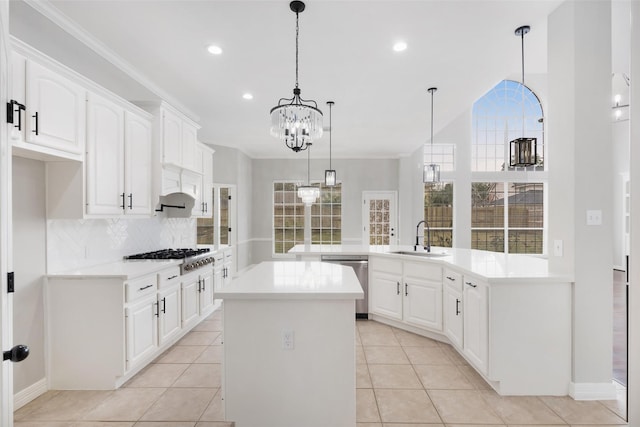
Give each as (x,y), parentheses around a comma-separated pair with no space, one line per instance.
(379,218)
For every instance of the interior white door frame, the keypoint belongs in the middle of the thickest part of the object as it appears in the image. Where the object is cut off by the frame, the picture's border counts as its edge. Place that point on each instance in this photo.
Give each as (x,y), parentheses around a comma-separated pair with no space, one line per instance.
(392,196)
(6,299)
(233,218)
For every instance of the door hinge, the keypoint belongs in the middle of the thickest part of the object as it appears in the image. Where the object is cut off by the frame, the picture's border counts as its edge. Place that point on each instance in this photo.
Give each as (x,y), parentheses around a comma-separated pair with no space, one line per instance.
(10,283)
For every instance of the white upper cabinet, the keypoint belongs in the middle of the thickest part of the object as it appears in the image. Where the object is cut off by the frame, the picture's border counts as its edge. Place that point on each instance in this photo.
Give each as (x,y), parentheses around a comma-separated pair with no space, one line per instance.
(118,169)
(203,206)
(171,138)
(105,157)
(55,110)
(137,164)
(189,141)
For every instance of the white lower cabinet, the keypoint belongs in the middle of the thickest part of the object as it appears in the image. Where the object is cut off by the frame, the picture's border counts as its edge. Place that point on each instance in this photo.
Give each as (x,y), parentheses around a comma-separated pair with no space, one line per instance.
(197,295)
(141,330)
(452,307)
(406,291)
(169,315)
(476,323)
(103,330)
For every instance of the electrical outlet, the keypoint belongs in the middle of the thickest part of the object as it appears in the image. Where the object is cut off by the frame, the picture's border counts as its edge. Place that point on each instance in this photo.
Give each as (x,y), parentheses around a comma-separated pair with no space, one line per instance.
(287,340)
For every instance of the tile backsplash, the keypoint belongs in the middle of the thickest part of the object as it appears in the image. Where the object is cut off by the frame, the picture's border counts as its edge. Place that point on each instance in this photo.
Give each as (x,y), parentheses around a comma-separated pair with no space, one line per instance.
(81,243)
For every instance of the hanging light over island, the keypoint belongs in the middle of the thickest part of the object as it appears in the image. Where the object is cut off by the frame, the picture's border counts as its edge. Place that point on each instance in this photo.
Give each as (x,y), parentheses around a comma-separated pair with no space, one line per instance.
(296,121)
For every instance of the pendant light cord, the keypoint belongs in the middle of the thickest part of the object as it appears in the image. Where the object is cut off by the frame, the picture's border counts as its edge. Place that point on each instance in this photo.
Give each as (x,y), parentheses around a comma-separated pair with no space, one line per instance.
(522,33)
(432,90)
(309,167)
(330,134)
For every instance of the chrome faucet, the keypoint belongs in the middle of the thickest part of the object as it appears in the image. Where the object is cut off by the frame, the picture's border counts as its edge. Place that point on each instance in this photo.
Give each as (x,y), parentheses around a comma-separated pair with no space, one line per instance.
(428,247)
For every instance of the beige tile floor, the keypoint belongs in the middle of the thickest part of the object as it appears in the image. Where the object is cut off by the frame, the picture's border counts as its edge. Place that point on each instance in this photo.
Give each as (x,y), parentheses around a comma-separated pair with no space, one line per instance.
(402,380)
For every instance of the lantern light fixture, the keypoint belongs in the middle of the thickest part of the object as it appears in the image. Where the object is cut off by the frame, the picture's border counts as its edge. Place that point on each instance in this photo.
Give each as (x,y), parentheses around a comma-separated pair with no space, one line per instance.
(431,172)
(523,151)
(308,193)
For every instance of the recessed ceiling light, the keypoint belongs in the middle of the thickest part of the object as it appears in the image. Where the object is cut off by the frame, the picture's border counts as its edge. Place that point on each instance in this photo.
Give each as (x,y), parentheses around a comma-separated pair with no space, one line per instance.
(247,96)
(400,46)
(214,50)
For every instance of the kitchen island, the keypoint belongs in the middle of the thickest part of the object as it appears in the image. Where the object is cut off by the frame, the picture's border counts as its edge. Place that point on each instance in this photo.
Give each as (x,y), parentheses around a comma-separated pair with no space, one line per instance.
(289,345)
(507,315)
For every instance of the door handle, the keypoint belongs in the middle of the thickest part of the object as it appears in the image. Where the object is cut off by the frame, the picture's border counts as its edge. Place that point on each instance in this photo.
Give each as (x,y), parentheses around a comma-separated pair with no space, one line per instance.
(16,354)
(35,116)
(157,309)
(406,290)
(457,307)
(122,206)
(397,288)
(130,200)
(164,305)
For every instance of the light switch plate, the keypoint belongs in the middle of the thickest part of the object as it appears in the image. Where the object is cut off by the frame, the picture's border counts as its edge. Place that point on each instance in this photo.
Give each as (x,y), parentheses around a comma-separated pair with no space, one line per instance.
(594,217)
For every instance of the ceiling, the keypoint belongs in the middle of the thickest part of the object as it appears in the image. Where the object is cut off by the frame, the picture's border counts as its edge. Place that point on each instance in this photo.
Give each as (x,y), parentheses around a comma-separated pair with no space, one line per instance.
(382,107)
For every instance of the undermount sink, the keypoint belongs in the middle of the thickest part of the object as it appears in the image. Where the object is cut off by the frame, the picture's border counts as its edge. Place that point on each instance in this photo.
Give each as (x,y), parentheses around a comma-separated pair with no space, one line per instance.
(423,254)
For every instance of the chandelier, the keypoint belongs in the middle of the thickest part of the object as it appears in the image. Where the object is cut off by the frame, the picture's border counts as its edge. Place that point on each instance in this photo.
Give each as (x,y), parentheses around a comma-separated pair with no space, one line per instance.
(431,172)
(522,151)
(295,120)
(308,193)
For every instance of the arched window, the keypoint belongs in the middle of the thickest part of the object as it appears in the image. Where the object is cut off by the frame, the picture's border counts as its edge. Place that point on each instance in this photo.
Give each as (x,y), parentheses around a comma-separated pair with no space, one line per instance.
(499,117)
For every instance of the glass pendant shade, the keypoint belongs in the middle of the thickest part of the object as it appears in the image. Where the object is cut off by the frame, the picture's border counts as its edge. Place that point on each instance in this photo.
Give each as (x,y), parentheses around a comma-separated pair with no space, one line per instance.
(329,177)
(523,152)
(309,194)
(431,174)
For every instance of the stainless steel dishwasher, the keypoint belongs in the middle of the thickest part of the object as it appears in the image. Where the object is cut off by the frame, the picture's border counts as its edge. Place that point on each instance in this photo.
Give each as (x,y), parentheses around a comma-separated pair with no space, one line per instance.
(360,264)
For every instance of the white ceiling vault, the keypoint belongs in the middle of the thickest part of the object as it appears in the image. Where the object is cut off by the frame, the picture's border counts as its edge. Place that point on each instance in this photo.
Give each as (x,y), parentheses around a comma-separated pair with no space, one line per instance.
(382,107)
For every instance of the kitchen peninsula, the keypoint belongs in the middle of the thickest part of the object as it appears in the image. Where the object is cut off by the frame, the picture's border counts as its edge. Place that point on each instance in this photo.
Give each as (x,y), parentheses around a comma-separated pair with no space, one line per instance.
(289,353)
(507,315)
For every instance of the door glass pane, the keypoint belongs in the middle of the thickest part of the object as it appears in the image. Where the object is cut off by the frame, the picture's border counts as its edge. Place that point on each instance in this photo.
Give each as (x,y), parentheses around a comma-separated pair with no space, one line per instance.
(378,222)
(224,216)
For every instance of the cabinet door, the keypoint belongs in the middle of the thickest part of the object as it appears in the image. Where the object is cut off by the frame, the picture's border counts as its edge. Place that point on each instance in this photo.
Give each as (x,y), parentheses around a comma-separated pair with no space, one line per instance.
(190,299)
(137,164)
(171,138)
(105,154)
(385,295)
(207,183)
(189,141)
(453,315)
(141,330)
(55,109)
(476,326)
(422,304)
(169,320)
(218,281)
(206,291)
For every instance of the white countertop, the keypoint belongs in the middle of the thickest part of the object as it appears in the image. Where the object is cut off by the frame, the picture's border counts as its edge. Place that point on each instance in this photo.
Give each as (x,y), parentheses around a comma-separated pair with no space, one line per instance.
(494,267)
(294,280)
(125,269)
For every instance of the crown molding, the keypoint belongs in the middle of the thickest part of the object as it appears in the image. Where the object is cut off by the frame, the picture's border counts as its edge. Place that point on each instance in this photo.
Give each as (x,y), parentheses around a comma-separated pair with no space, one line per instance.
(80,34)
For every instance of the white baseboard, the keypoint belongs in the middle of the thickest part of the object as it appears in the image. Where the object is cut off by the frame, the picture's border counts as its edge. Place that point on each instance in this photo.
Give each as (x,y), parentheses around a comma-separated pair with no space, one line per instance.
(25,396)
(592,391)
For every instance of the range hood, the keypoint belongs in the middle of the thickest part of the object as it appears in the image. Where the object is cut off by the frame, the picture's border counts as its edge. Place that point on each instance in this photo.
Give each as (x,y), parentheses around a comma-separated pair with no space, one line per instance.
(176,205)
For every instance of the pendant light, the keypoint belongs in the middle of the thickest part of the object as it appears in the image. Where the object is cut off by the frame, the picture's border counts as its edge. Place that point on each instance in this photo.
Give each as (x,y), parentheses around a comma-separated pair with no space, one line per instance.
(523,151)
(431,172)
(330,174)
(295,120)
(308,193)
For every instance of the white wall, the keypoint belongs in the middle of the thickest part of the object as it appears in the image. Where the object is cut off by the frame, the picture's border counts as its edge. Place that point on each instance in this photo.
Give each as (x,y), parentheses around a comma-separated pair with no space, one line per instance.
(356,175)
(579,125)
(29,266)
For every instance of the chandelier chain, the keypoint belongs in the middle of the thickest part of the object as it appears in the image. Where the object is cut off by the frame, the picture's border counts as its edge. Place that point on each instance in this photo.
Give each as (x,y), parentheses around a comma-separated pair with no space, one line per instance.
(297,35)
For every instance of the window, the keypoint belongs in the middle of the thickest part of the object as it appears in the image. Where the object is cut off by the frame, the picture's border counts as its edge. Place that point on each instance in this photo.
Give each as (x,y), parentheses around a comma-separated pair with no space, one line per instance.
(326,216)
(289,220)
(507,217)
(498,117)
(288,217)
(438,212)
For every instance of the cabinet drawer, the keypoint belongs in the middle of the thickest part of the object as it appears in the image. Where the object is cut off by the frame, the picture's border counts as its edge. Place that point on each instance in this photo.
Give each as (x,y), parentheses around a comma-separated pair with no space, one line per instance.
(390,266)
(138,288)
(422,270)
(452,279)
(168,277)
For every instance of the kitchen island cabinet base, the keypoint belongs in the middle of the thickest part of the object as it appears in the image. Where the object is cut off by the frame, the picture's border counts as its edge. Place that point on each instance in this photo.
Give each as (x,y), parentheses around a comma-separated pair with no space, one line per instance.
(310,384)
